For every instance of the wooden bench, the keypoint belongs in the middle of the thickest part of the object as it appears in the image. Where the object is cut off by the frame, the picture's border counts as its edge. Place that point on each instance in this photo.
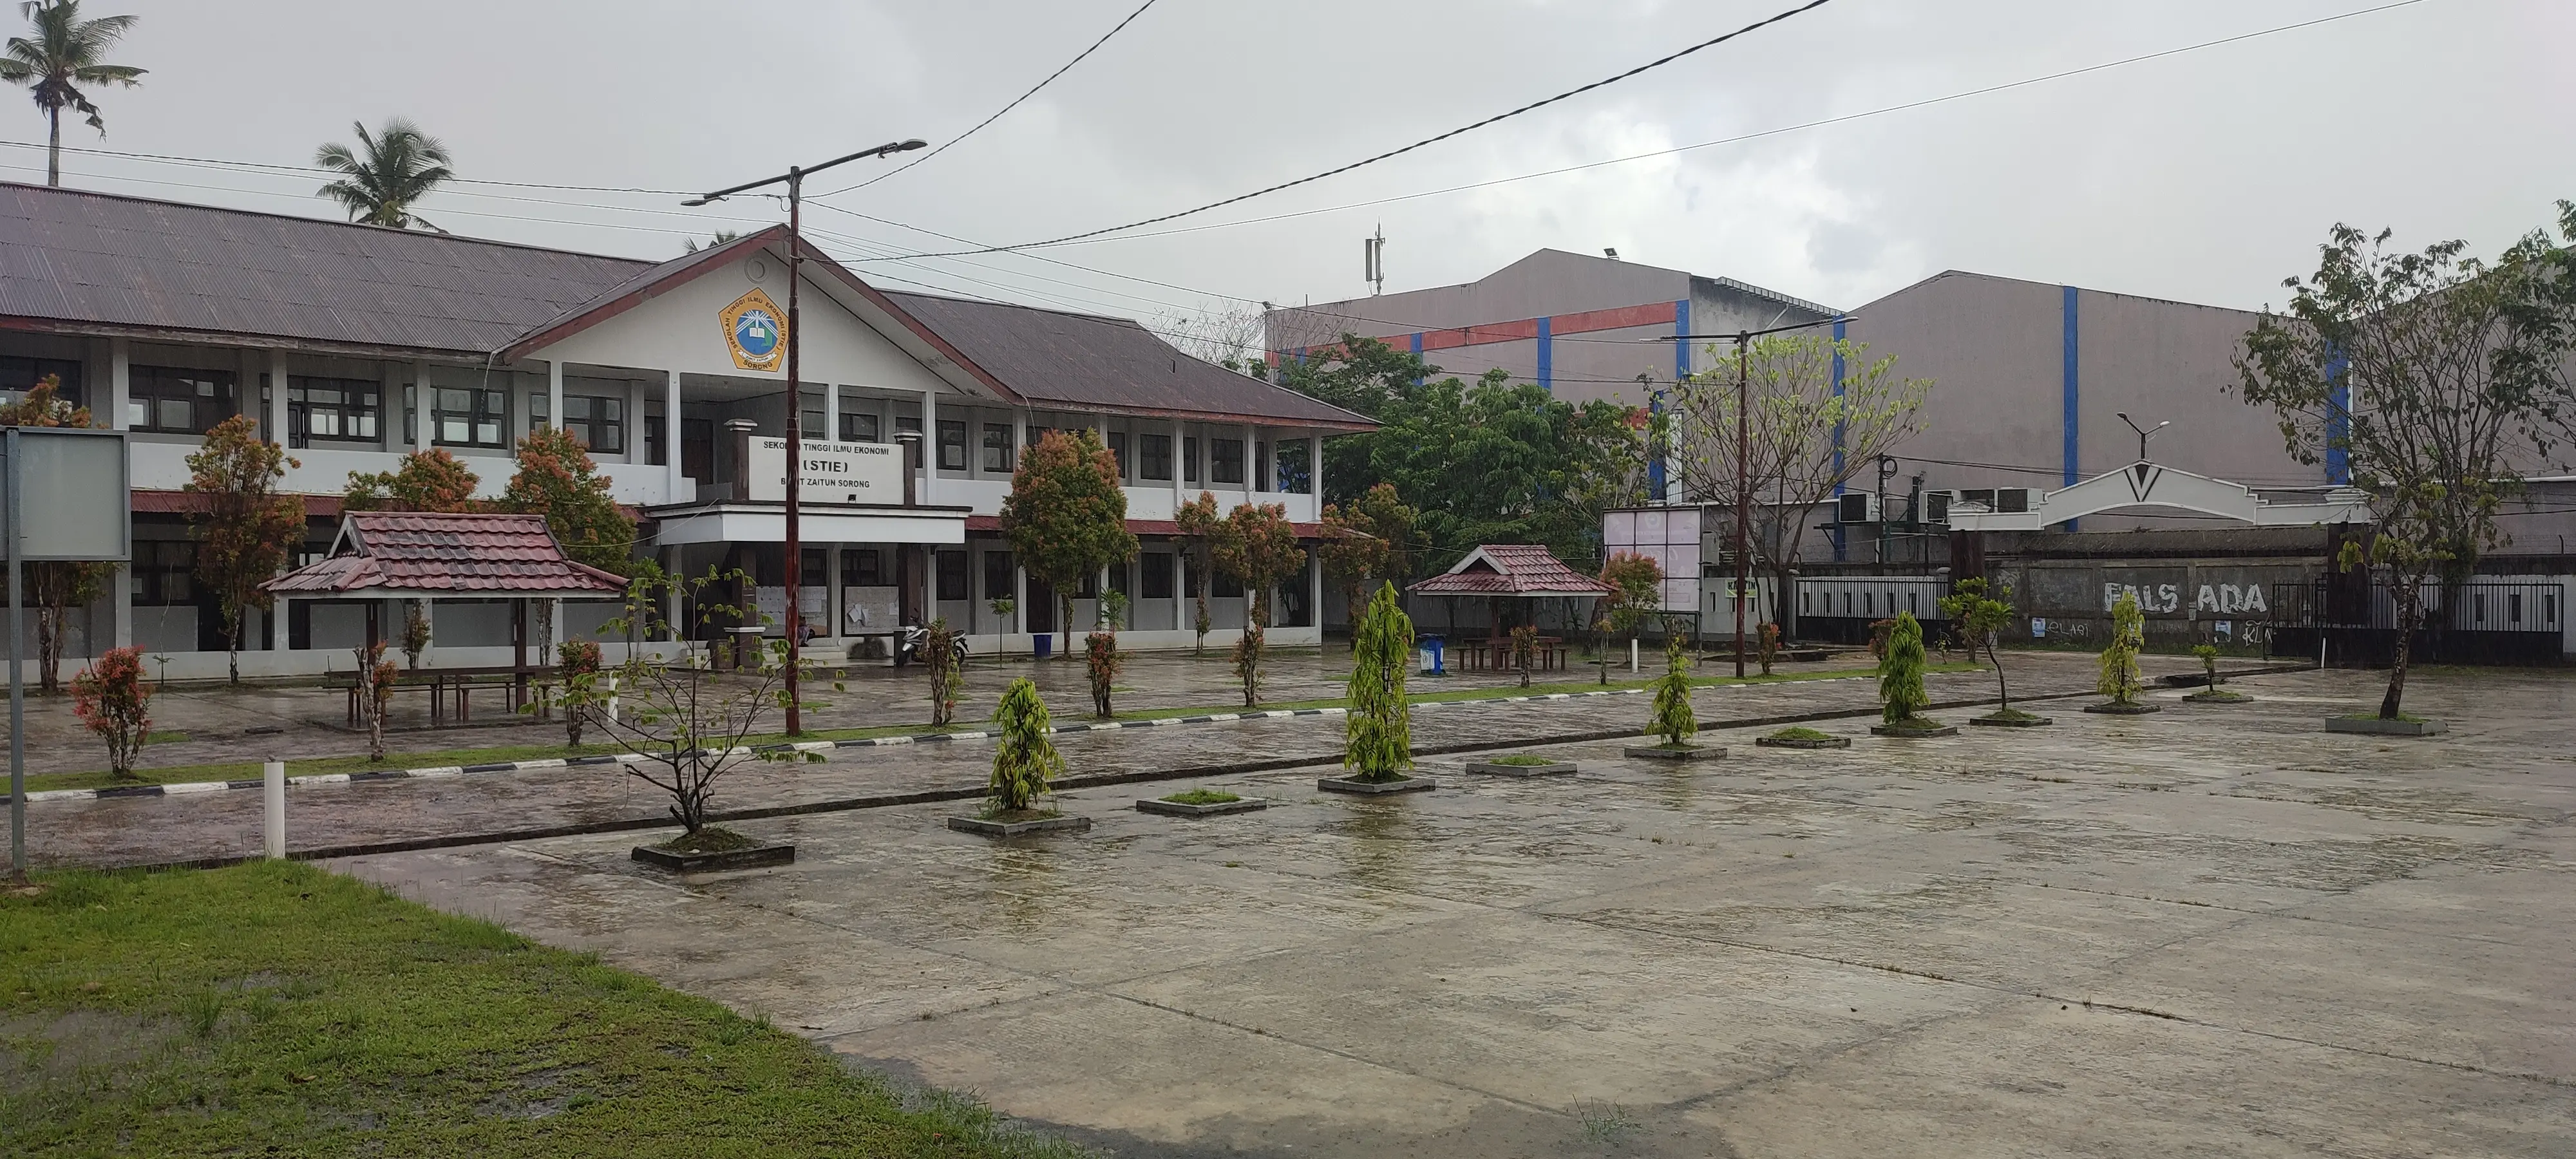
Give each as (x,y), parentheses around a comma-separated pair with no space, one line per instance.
(459,683)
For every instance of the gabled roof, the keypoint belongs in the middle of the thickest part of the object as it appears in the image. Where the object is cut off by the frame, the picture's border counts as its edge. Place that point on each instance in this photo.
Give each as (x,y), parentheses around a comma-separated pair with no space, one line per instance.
(1511,569)
(96,259)
(382,553)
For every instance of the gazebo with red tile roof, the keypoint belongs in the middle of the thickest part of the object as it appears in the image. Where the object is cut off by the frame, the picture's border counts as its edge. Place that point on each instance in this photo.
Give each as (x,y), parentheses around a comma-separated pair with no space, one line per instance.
(1511,571)
(401,555)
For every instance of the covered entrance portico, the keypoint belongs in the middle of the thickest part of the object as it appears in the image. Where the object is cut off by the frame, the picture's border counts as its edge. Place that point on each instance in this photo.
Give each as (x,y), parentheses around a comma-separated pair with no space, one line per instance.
(866,569)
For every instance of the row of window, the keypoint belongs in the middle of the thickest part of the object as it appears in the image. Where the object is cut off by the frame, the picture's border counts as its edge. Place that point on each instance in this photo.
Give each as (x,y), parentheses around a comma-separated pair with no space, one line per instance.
(1151,459)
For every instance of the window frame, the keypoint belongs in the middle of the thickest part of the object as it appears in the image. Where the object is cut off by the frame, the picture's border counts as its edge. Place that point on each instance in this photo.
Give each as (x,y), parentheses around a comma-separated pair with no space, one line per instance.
(474,416)
(300,409)
(852,423)
(958,427)
(1218,459)
(1010,459)
(143,385)
(946,566)
(1153,457)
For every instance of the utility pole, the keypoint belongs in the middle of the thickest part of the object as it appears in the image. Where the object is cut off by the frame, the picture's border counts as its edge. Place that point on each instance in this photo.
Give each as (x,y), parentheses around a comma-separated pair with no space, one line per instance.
(1743,482)
(1886,470)
(794,548)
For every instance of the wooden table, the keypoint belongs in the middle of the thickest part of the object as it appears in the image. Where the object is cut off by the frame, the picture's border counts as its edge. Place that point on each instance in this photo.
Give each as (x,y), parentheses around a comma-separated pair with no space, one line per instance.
(459,682)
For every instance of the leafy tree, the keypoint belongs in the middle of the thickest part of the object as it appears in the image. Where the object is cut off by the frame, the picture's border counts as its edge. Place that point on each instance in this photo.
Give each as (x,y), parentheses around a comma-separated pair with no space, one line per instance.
(1258,547)
(1524,649)
(557,479)
(1900,676)
(1978,616)
(939,654)
(245,530)
(111,700)
(375,694)
(1806,437)
(55,587)
(1101,661)
(2208,655)
(1025,759)
(1637,591)
(1766,646)
(1366,541)
(2120,679)
(2438,377)
(1674,720)
(430,482)
(1492,462)
(690,245)
(579,660)
(62,54)
(1198,521)
(415,632)
(1066,515)
(1378,729)
(387,174)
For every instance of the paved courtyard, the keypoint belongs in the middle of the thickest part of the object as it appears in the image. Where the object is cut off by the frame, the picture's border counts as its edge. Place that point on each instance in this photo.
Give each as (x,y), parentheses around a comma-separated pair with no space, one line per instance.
(2215,930)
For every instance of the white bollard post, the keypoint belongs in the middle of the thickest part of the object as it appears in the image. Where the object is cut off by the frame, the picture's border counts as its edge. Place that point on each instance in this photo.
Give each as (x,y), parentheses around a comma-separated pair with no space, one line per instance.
(273,786)
(612,698)
(1632,655)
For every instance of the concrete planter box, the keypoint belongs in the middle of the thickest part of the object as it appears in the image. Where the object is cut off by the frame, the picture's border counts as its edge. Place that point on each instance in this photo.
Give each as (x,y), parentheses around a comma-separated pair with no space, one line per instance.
(1177,809)
(1553,768)
(2221,697)
(1656,752)
(2124,709)
(2011,722)
(752,858)
(1913,733)
(1831,742)
(1376,788)
(1069,823)
(2373,726)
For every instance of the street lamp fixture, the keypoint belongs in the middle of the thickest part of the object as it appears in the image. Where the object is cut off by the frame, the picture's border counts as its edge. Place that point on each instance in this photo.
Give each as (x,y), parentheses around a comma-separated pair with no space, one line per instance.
(2144,433)
(794,548)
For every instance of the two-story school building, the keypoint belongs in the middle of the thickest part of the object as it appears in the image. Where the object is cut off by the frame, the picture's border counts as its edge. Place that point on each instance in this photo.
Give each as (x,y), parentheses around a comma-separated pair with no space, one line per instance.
(354,345)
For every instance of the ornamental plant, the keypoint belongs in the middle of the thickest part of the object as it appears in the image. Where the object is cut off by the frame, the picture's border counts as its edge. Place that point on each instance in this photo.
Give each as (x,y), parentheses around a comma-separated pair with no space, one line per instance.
(246,530)
(579,660)
(1674,720)
(1102,660)
(1977,616)
(1766,646)
(1257,546)
(375,694)
(1378,731)
(1026,759)
(1002,609)
(2120,679)
(114,702)
(1247,664)
(1197,522)
(1066,515)
(1900,675)
(939,654)
(415,632)
(2208,654)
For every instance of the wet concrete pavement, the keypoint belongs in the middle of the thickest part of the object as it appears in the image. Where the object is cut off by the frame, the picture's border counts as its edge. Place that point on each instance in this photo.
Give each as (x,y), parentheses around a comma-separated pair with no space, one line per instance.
(2215,930)
(188,827)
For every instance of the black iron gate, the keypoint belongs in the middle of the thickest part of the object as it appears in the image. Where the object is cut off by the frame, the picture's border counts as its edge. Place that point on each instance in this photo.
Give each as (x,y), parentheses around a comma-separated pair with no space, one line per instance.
(2516,622)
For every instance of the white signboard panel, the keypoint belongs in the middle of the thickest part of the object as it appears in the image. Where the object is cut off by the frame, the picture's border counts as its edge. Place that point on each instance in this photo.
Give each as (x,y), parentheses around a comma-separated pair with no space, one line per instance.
(76,498)
(831,473)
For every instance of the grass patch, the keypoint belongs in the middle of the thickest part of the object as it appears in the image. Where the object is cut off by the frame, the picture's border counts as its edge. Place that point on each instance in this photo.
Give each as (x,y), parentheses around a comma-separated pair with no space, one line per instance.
(1521,761)
(709,839)
(276,1008)
(2008,714)
(2408,717)
(1007,816)
(1203,797)
(1801,732)
(1917,724)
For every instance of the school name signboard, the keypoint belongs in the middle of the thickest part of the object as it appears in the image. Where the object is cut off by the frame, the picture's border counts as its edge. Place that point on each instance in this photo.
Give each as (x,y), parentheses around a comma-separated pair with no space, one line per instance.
(829,473)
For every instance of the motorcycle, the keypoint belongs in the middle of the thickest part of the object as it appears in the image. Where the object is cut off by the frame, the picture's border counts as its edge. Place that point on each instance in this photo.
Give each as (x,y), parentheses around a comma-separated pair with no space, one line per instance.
(908,646)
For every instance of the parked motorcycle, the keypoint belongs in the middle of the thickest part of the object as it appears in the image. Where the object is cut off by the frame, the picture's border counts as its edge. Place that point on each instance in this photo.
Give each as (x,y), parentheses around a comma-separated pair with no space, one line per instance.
(908,646)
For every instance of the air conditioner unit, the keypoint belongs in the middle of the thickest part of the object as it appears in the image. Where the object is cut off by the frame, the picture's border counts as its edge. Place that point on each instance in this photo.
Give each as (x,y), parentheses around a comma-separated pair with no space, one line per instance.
(1856,507)
(1981,496)
(2013,500)
(1936,507)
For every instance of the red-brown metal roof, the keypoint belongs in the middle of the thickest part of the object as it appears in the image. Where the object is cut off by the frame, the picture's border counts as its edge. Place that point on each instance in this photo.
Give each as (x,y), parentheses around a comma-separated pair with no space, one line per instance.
(1511,569)
(497,555)
(1150,526)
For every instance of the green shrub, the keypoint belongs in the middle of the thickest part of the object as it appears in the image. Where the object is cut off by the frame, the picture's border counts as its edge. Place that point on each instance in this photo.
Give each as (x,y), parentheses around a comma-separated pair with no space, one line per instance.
(1026,759)
(1378,730)
(1203,797)
(2120,679)
(1673,718)
(1801,734)
(1900,675)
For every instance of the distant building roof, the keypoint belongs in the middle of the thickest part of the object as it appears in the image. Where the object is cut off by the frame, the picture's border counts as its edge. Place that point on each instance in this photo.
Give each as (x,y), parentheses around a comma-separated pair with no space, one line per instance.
(101,259)
(1511,569)
(1078,361)
(385,553)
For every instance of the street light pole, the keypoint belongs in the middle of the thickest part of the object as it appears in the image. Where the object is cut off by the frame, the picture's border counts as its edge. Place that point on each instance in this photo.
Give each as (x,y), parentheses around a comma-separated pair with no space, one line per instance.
(794,548)
(2144,433)
(1743,483)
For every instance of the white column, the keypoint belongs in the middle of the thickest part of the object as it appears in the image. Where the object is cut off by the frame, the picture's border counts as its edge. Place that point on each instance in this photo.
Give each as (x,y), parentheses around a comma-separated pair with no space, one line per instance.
(275,420)
(554,394)
(1251,461)
(421,406)
(1178,441)
(831,432)
(120,378)
(1315,592)
(680,490)
(1180,588)
(930,446)
(634,421)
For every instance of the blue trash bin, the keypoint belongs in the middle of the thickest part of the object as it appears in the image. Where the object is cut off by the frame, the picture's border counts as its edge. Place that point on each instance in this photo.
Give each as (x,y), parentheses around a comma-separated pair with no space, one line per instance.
(1434,650)
(1042,645)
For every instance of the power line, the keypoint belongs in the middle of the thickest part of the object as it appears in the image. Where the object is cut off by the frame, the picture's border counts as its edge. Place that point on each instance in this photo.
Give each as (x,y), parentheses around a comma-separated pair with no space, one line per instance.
(1015,103)
(1400,151)
(1739,139)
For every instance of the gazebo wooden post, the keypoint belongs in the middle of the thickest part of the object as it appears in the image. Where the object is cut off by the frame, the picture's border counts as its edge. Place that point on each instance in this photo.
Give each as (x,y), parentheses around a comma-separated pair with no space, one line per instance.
(518,653)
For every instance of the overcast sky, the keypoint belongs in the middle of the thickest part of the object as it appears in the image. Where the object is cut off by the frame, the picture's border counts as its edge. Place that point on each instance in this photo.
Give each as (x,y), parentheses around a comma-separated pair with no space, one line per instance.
(2207,176)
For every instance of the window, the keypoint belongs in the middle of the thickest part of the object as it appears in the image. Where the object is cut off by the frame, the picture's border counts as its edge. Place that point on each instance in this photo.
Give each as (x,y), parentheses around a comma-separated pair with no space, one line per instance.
(1296,468)
(951,574)
(817,567)
(863,567)
(342,410)
(997,575)
(19,375)
(179,402)
(809,420)
(1158,576)
(1154,457)
(469,417)
(1225,461)
(1118,451)
(1190,459)
(952,444)
(653,451)
(861,428)
(159,575)
(1036,434)
(1226,587)
(599,422)
(997,449)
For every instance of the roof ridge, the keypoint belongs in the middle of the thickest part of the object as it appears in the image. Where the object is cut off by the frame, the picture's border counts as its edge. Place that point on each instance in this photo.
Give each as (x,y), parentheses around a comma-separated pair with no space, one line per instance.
(300,219)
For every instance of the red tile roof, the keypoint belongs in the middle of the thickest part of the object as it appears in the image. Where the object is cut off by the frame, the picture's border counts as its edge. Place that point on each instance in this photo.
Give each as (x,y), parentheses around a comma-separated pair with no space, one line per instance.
(499,555)
(1511,569)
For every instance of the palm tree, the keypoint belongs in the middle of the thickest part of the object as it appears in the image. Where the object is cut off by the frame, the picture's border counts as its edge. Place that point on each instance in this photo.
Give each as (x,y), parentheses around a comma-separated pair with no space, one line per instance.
(400,166)
(64,54)
(689,245)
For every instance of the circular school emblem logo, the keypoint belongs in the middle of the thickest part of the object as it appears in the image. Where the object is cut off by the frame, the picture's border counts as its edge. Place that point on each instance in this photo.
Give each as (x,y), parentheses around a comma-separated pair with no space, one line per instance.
(754,333)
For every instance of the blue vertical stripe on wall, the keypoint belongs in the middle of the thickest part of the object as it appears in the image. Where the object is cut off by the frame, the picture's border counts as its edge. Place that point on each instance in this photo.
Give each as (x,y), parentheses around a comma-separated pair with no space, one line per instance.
(2338,420)
(1681,349)
(1839,487)
(2072,392)
(1417,353)
(1656,487)
(1546,357)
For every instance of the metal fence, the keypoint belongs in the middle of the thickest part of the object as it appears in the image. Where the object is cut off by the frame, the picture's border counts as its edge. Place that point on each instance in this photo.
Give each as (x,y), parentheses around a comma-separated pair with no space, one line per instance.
(2490,621)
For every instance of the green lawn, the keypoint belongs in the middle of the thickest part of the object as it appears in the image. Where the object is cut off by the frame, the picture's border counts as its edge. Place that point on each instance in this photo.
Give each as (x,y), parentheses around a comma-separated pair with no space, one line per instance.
(275,1008)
